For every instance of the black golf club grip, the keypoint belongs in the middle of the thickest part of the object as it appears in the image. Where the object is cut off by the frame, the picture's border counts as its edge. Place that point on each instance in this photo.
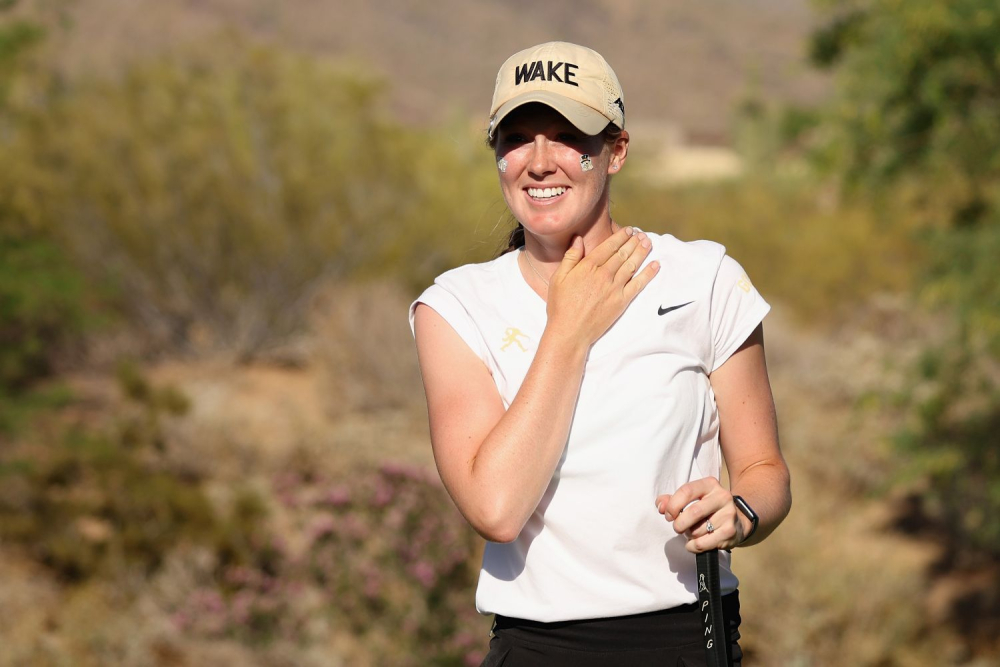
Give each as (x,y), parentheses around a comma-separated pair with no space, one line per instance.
(710,606)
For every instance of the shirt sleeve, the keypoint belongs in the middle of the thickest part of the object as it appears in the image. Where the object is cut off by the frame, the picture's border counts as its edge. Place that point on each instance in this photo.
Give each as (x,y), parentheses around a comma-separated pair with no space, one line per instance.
(737,309)
(454,313)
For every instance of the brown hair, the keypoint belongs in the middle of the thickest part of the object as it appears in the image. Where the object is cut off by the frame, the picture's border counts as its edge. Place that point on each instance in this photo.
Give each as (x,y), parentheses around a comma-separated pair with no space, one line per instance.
(515,240)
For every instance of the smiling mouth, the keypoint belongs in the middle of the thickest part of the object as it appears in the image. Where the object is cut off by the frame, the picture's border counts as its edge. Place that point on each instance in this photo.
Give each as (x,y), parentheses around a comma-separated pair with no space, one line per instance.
(543,194)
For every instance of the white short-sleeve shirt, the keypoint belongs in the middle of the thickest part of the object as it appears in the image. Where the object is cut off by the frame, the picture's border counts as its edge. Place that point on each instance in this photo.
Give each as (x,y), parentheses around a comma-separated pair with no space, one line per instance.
(596,545)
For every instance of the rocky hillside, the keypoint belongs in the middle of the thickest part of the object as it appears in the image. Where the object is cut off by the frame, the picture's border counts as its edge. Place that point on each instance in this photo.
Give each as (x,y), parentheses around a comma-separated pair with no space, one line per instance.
(682,63)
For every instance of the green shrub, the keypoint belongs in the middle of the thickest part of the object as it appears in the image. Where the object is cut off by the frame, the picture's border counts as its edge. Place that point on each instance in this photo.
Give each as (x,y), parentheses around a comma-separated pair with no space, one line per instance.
(218,187)
(915,102)
(91,502)
(41,307)
(952,434)
(914,121)
(17,37)
(89,506)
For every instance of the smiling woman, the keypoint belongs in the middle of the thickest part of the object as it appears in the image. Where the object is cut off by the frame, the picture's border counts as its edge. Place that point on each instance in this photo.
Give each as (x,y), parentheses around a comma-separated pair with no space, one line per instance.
(584,388)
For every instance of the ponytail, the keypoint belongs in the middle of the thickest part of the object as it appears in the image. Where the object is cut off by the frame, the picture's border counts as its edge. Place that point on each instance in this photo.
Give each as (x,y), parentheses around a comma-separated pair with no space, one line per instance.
(515,240)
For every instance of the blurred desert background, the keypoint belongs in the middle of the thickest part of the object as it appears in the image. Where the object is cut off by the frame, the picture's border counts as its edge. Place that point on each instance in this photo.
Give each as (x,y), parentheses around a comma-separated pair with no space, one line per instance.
(215,213)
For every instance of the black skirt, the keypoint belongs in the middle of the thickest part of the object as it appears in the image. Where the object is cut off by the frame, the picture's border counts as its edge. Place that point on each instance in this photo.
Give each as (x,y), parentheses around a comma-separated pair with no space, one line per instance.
(668,638)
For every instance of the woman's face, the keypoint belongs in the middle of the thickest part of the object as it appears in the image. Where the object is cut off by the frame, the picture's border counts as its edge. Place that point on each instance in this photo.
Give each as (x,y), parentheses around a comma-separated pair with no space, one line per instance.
(546,187)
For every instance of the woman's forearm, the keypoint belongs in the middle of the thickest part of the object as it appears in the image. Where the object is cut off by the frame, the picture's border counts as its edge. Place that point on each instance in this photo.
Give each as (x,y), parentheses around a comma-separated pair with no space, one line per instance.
(515,463)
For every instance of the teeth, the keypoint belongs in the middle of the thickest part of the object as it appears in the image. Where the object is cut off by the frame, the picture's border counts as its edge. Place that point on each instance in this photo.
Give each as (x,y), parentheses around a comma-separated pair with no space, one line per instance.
(545,193)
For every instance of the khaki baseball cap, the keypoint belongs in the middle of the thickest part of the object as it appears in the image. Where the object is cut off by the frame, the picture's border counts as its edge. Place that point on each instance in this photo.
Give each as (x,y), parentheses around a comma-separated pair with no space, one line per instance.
(572,79)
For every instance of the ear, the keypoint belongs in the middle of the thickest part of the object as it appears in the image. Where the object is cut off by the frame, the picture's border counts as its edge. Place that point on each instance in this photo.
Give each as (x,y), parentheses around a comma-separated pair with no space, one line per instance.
(619,152)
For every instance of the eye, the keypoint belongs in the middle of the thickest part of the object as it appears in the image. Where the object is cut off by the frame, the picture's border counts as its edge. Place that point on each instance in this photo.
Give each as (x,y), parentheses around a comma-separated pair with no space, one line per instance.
(567,137)
(514,138)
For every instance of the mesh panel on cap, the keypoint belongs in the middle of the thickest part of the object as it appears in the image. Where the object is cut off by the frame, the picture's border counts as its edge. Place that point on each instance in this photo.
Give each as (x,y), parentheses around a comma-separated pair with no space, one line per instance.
(609,98)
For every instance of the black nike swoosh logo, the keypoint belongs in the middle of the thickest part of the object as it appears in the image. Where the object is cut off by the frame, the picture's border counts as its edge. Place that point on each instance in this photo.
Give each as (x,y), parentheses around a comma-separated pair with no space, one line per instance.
(664,311)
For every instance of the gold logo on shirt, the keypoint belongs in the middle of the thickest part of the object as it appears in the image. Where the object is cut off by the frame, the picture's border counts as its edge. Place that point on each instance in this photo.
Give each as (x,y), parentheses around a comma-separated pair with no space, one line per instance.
(511,336)
(744,284)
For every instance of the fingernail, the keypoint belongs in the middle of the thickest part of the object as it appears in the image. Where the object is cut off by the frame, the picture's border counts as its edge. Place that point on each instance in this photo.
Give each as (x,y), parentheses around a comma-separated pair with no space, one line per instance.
(629,231)
(645,242)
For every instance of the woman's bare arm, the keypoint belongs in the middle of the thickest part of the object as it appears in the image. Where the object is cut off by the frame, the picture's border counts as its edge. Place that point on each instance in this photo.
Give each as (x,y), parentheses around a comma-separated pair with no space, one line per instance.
(749,436)
(496,464)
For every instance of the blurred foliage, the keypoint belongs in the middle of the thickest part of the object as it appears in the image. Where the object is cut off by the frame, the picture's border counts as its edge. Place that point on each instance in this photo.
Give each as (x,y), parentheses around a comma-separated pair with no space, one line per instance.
(42,304)
(918,88)
(92,502)
(952,440)
(17,37)
(380,555)
(364,349)
(396,559)
(915,121)
(218,187)
(19,409)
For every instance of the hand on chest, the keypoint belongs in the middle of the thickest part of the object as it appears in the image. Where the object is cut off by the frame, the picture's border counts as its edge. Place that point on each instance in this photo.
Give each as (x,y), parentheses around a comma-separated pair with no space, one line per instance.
(664,331)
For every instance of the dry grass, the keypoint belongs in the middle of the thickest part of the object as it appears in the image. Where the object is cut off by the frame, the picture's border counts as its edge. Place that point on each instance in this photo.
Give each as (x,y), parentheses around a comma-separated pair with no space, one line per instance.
(365,349)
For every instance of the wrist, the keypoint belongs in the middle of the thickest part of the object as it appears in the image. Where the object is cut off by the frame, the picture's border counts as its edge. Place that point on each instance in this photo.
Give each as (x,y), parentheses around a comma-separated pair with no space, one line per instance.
(746,527)
(563,344)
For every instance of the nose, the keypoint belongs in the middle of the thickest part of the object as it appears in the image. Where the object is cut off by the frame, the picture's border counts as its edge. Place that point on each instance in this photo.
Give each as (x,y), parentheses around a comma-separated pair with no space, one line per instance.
(542,159)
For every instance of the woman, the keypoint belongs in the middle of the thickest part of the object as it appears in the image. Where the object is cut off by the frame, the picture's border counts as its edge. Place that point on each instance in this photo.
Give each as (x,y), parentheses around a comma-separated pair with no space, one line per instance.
(581,388)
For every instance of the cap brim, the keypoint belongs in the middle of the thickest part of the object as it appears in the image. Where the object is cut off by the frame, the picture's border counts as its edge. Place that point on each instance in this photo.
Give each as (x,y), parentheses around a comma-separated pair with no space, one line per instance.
(586,119)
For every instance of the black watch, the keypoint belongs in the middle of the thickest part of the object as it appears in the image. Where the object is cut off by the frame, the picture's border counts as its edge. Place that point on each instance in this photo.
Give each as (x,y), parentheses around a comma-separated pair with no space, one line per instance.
(748,513)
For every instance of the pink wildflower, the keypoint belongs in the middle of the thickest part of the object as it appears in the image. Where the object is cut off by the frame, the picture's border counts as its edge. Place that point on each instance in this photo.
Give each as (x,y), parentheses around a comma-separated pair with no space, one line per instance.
(473,658)
(424,573)
(181,620)
(338,496)
(383,494)
(321,526)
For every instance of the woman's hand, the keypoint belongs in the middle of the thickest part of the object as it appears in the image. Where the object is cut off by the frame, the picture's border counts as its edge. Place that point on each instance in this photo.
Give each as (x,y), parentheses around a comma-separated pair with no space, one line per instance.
(697,503)
(588,293)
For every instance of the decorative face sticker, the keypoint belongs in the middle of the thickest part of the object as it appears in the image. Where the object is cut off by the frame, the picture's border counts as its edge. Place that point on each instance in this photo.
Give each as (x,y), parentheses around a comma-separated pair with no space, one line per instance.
(585,163)
(502,165)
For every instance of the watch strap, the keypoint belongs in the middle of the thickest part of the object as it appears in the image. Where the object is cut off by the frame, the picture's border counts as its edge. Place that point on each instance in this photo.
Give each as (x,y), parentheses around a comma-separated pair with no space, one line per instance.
(748,512)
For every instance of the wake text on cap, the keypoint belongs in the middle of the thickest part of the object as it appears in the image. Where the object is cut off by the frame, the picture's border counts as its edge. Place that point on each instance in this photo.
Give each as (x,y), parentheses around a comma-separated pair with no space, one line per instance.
(546,71)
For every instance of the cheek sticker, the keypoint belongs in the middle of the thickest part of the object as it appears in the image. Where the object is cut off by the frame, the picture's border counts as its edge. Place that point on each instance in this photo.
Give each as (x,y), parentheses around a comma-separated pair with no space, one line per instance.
(585,163)
(502,165)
